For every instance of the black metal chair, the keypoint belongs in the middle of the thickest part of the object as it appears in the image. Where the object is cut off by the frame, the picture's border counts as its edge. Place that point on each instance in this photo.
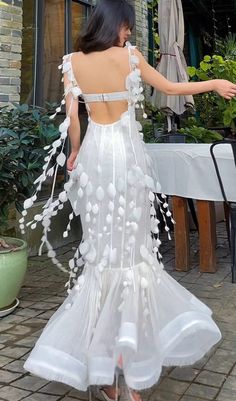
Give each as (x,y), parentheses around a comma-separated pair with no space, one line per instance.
(231,205)
(180,138)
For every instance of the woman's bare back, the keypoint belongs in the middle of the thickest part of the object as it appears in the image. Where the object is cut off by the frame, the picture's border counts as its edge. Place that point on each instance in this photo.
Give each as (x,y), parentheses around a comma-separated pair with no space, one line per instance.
(103,72)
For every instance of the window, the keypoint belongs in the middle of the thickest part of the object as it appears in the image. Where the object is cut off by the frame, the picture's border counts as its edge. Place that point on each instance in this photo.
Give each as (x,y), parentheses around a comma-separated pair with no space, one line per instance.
(28,49)
(50,30)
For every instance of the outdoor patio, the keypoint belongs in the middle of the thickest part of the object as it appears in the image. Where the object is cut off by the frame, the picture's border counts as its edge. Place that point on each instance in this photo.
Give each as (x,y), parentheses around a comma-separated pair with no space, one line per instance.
(212,378)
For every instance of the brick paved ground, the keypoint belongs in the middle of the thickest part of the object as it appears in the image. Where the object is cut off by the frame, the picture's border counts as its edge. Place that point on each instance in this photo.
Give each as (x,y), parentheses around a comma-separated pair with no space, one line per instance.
(212,378)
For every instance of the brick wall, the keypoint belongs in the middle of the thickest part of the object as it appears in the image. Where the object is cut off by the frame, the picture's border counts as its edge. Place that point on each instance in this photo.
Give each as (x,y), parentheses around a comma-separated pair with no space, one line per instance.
(10,50)
(141,34)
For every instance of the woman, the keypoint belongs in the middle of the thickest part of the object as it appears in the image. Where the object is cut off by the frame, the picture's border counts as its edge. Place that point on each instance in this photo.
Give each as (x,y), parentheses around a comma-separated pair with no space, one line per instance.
(124,310)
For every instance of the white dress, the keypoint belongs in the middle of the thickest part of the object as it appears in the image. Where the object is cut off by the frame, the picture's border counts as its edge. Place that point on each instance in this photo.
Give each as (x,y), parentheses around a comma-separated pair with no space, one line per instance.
(123,303)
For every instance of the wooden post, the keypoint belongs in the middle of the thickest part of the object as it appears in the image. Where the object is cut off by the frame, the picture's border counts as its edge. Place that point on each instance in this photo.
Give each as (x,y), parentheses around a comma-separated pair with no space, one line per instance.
(207,235)
(182,247)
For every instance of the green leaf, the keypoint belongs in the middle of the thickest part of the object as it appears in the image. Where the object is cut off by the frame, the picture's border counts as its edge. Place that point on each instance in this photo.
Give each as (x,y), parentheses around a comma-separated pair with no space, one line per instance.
(205,66)
(191,71)
(207,58)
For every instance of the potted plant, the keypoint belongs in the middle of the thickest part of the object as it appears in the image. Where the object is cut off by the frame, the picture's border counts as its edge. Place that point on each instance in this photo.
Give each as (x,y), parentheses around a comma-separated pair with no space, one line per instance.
(24,131)
(213,109)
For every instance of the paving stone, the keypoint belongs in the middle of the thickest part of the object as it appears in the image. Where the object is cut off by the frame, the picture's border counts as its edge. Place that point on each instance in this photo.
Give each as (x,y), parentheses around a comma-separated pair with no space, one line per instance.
(230,383)
(4,360)
(226,395)
(81,395)
(161,395)
(24,304)
(24,357)
(228,345)
(27,312)
(44,305)
(21,330)
(27,341)
(46,315)
(210,378)
(5,338)
(35,322)
(42,397)
(186,374)
(56,299)
(67,398)
(55,388)
(174,386)
(189,398)
(32,383)
(14,352)
(16,366)
(234,371)
(13,394)
(201,391)
(222,361)
(5,326)
(8,377)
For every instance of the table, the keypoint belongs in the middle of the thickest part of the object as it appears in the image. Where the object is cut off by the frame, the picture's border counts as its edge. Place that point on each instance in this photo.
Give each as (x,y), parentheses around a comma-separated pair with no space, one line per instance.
(187,171)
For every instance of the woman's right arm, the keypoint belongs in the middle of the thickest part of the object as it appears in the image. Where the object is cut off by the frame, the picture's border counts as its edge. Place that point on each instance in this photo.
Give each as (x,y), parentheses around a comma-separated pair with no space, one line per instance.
(151,76)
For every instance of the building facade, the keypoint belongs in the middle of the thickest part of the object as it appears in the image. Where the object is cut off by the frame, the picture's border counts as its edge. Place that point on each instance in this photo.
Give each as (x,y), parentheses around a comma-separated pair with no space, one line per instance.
(34,34)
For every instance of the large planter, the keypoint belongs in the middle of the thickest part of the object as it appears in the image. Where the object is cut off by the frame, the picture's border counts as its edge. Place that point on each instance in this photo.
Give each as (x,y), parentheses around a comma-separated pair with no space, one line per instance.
(13,265)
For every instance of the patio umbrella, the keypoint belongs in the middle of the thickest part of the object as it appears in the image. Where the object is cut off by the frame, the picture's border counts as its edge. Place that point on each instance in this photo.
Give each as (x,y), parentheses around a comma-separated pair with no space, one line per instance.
(172,64)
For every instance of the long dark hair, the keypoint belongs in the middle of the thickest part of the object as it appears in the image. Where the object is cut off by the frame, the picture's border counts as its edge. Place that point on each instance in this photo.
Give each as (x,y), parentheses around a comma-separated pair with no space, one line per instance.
(104,24)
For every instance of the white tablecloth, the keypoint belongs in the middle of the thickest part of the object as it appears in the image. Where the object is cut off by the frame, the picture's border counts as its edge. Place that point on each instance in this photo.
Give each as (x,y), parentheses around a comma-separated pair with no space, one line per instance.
(187,170)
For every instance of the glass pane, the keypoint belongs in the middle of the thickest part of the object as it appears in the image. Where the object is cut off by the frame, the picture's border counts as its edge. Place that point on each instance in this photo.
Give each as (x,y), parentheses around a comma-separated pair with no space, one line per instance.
(53,49)
(79,17)
(28,36)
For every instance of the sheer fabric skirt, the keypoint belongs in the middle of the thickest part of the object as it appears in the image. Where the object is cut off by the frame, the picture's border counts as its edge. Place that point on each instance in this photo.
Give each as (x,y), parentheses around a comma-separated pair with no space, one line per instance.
(124,303)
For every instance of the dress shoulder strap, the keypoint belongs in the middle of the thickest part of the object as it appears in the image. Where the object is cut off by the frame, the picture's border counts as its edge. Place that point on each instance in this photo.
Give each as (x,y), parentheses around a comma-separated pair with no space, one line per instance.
(134,81)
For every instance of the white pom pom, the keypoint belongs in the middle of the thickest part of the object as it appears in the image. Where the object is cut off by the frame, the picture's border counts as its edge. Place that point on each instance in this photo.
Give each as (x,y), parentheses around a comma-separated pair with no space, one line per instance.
(137,213)
(121,211)
(89,189)
(83,179)
(62,197)
(151,196)
(89,207)
(143,282)
(84,247)
(87,218)
(28,203)
(108,219)
(100,194)
(80,193)
(122,200)
(56,143)
(143,251)
(95,209)
(51,254)
(111,190)
(61,159)
(111,206)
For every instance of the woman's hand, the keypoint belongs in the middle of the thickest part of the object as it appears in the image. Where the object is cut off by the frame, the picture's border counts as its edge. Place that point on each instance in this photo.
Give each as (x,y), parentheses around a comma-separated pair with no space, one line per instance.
(225,88)
(71,160)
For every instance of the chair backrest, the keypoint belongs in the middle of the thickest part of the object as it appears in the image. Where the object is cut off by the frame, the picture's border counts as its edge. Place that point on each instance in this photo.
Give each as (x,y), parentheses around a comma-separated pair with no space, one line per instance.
(231,142)
(174,138)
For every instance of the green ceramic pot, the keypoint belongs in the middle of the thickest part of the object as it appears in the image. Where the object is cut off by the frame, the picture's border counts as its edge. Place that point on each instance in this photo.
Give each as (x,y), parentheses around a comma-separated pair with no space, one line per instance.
(13,265)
